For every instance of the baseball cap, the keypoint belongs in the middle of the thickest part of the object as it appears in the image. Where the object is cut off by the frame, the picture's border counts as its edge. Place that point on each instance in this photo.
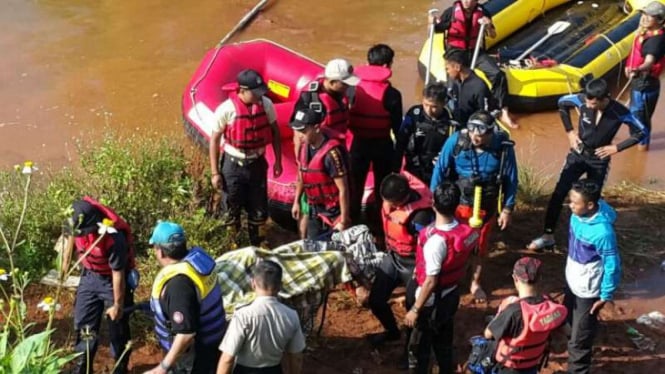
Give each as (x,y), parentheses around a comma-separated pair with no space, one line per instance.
(167,233)
(85,218)
(654,9)
(306,117)
(526,269)
(251,80)
(341,70)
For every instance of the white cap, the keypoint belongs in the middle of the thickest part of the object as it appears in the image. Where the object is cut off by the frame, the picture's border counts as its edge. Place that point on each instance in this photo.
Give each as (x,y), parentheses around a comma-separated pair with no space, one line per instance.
(340,70)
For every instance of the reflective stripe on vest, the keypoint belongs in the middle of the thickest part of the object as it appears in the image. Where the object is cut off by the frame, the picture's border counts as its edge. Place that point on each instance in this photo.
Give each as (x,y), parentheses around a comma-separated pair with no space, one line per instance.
(398,237)
(636,58)
(460,242)
(212,318)
(97,260)
(320,188)
(368,116)
(250,128)
(458,36)
(337,113)
(526,350)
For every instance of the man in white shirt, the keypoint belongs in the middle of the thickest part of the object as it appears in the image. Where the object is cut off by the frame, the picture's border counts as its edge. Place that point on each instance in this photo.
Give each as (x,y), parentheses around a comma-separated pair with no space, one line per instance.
(443,250)
(248,123)
(262,332)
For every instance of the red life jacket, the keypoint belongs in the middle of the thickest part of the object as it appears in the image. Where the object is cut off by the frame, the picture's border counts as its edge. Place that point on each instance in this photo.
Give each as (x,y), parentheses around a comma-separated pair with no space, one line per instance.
(398,237)
(337,114)
(636,58)
(320,188)
(458,36)
(98,258)
(526,350)
(250,129)
(460,242)
(368,116)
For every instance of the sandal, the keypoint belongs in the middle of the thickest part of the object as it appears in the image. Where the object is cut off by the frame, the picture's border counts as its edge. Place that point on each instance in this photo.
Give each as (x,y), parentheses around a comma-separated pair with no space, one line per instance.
(541,243)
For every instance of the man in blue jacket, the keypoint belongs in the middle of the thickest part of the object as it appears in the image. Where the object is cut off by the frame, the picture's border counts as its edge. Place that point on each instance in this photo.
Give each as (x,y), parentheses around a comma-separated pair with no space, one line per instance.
(480,155)
(593,269)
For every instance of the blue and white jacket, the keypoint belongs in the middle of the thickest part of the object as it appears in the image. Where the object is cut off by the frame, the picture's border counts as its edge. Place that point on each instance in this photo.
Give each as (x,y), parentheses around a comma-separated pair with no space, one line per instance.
(593,268)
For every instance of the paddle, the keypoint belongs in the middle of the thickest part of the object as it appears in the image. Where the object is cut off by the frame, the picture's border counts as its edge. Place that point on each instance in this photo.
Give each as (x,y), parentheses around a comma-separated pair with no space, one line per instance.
(431,13)
(625,87)
(243,21)
(481,36)
(557,28)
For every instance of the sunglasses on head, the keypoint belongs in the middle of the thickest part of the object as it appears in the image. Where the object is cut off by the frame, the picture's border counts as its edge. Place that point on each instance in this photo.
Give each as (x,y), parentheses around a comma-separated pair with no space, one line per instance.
(479,127)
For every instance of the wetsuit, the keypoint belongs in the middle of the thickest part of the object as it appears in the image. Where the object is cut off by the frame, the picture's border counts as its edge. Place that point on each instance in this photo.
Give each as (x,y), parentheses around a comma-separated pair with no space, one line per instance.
(595,133)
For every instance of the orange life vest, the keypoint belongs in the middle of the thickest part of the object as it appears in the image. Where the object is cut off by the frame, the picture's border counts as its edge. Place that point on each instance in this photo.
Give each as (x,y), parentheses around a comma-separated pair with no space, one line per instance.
(368,116)
(458,36)
(398,237)
(526,350)
(636,58)
(97,260)
(460,243)
(250,129)
(319,186)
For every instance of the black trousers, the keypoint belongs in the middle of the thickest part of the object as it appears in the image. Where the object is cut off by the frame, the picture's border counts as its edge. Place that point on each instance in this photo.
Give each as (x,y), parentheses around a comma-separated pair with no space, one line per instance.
(576,165)
(394,271)
(488,65)
(378,153)
(93,296)
(436,327)
(246,187)
(584,327)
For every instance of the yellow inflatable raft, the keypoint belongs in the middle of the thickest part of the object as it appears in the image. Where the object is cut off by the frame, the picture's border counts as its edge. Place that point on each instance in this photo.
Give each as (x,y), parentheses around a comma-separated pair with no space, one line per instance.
(598,38)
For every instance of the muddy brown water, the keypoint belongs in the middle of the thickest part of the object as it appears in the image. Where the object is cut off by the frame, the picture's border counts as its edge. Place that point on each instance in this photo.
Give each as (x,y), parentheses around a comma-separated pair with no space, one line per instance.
(69,68)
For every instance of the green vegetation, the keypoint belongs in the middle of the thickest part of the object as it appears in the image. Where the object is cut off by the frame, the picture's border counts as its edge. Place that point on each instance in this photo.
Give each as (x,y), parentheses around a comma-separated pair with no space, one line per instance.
(143,179)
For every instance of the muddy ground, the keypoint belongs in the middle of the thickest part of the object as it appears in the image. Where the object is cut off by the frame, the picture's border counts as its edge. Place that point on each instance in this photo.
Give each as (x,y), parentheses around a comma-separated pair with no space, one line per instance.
(342,347)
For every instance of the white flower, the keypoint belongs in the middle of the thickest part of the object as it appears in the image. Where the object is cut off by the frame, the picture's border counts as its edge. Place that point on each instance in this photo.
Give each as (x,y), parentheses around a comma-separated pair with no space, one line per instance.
(4,276)
(47,304)
(106,227)
(28,167)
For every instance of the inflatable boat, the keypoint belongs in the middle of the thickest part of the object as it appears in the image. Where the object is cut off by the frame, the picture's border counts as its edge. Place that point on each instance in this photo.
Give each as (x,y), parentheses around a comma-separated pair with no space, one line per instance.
(286,73)
(597,38)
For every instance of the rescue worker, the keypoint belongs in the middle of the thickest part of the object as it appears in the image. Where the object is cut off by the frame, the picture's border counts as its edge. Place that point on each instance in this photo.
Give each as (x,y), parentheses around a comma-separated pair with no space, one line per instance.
(468,93)
(376,111)
(265,334)
(644,65)
(329,95)
(407,208)
(247,122)
(441,261)
(460,25)
(591,147)
(593,269)
(323,177)
(423,132)
(480,155)
(186,302)
(523,324)
(105,288)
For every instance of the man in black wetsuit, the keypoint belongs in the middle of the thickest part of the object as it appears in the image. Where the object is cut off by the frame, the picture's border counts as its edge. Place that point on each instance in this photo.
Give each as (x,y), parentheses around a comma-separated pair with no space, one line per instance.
(591,146)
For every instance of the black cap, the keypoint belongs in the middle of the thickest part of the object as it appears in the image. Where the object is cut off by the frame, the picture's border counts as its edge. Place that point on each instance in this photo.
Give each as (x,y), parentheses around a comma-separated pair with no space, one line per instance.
(85,218)
(306,117)
(252,80)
